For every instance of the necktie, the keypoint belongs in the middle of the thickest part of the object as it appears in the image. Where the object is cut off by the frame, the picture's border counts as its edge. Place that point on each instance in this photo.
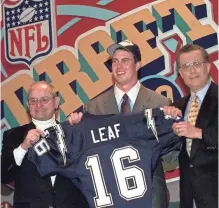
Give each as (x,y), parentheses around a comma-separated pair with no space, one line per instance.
(193,113)
(125,107)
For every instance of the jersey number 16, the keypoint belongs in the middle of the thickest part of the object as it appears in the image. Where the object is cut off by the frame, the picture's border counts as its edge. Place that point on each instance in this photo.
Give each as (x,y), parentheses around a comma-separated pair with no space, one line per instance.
(122,175)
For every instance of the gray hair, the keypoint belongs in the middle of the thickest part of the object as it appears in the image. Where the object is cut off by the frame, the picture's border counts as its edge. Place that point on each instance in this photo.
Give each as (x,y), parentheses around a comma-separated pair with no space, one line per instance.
(41,82)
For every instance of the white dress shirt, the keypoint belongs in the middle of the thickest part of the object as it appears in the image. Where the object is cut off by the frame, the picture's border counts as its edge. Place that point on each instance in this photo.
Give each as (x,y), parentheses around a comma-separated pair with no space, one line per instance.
(132,93)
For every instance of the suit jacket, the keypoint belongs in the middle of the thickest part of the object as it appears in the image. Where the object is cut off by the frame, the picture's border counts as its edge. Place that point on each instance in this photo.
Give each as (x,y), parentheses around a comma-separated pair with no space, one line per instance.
(106,104)
(199,172)
(32,190)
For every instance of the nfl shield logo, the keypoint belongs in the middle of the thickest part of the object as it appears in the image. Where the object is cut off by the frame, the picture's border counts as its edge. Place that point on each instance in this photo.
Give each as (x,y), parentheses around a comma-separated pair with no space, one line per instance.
(28,30)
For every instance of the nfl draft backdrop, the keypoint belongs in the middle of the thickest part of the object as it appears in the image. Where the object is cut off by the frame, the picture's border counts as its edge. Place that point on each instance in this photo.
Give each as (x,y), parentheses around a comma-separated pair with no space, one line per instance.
(64,42)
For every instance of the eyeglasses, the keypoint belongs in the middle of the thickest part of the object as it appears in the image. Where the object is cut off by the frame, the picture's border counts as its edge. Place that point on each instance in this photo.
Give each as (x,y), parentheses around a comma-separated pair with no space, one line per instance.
(42,100)
(193,64)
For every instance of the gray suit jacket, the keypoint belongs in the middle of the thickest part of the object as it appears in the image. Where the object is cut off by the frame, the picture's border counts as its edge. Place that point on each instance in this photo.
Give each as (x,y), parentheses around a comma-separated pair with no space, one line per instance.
(106,104)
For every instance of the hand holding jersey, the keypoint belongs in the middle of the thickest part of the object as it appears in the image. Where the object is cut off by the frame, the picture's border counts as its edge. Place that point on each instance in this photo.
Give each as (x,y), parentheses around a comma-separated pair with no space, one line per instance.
(32,137)
(110,158)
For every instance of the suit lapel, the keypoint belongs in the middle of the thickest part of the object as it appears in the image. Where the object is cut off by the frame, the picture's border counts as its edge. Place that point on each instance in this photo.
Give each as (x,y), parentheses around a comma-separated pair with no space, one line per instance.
(203,117)
(110,105)
(182,106)
(141,100)
(29,127)
(204,112)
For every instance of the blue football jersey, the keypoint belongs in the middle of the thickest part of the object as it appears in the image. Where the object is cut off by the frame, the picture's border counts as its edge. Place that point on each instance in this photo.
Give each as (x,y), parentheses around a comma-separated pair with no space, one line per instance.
(110,158)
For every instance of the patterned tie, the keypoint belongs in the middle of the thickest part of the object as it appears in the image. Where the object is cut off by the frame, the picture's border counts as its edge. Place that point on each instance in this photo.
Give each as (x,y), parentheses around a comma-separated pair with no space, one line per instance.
(193,113)
(125,107)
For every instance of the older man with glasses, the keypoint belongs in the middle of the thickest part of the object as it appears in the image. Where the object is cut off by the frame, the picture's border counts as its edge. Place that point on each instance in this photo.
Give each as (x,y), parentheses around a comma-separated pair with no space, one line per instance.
(198,158)
(32,190)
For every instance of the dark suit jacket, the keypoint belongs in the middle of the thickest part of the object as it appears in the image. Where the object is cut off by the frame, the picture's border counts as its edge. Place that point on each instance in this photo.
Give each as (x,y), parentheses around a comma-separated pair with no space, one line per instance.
(199,172)
(32,190)
(106,104)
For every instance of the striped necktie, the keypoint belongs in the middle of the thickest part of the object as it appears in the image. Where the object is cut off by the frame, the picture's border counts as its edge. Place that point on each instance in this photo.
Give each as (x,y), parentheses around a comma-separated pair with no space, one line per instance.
(192,116)
(125,107)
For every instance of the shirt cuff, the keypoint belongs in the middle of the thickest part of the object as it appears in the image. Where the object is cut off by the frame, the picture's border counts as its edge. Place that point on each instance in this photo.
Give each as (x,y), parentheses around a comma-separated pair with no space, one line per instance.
(19,154)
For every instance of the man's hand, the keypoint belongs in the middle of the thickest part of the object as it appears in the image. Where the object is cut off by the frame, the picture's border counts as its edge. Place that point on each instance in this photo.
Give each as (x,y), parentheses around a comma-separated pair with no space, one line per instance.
(32,137)
(187,130)
(75,118)
(172,111)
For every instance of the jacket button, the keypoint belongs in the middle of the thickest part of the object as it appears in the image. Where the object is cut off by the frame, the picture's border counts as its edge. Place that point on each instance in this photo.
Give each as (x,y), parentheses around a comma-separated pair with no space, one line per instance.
(191,166)
(50,206)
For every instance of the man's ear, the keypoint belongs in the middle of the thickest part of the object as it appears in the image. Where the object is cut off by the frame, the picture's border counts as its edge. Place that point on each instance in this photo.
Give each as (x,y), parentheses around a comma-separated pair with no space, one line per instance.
(57,100)
(181,74)
(138,65)
(208,65)
(28,109)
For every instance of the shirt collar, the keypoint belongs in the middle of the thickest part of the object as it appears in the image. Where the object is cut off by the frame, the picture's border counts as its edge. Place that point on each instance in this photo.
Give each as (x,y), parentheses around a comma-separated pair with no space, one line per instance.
(201,93)
(132,93)
(42,125)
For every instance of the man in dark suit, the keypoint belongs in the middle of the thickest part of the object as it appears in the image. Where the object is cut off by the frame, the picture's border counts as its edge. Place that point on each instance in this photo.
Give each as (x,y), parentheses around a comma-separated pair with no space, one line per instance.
(32,190)
(126,61)
(198,158)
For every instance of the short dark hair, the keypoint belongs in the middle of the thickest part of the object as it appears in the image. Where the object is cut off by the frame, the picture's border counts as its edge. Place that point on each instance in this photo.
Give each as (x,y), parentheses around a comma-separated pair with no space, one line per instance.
(188,48)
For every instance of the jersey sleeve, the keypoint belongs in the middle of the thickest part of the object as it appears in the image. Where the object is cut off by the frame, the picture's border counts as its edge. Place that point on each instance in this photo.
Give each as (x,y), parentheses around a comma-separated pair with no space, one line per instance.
(169,141)
(54,153)
(44,163)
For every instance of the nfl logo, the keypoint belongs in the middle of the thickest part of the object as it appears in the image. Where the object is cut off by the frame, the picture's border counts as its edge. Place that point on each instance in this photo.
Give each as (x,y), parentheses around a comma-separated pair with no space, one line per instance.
(28,30)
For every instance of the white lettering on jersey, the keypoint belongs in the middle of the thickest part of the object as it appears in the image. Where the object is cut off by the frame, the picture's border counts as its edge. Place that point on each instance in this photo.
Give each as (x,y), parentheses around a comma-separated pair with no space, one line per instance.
(130,179)
(60,141)
(106,133)
(151,123)
(130,173)
(102,197)
(41,147)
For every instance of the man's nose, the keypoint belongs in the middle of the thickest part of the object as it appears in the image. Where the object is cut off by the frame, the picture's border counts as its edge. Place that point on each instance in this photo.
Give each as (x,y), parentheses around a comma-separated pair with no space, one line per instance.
(119,64)
(192,68)
(39,104)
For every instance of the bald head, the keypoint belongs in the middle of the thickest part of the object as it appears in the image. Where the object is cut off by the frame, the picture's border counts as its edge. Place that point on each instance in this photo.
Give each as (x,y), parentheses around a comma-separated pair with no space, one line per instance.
(43,85)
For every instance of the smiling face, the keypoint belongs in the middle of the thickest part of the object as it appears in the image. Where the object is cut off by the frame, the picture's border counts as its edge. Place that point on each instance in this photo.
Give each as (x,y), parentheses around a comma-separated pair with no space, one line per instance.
(195,77)
(124,69)
(42,102)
